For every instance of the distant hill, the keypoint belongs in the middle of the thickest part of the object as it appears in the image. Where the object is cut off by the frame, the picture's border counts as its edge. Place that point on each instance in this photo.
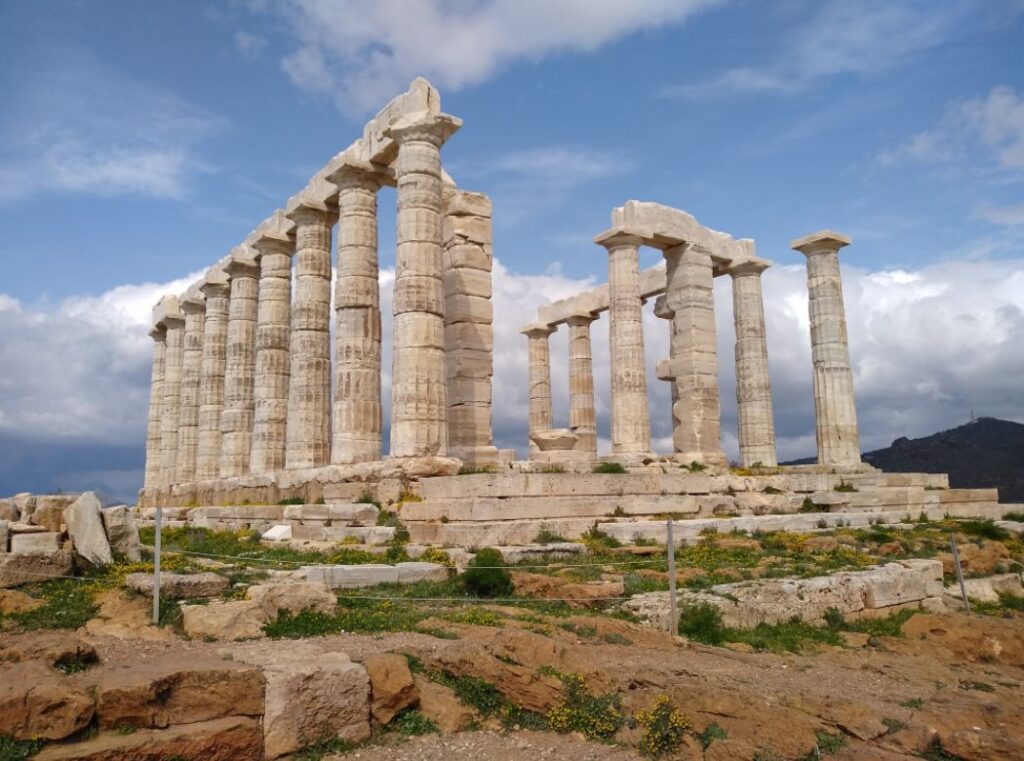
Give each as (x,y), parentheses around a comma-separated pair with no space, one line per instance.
(983,454)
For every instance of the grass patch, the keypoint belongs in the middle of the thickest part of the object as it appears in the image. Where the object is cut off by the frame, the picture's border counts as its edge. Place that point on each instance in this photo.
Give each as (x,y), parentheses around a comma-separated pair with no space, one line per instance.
(412,723)
(609,467)
(986,529)
(292,501)
(845,487)
(67,604)
(810,506)
(830,743)
(711,733)
(321,749)
(546,536)
(890,626)
(913,703)
(16,750)
(703,623)
(1014,515)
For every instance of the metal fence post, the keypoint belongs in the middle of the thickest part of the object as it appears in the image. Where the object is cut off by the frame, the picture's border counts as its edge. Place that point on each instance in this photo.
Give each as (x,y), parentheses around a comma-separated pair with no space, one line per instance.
(156,566)
(959,572)
(673,610)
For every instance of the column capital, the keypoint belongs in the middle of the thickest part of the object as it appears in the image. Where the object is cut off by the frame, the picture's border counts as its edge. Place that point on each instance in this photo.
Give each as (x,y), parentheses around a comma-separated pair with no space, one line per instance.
(744,267)
(302,209)
(661,308)
(364,175)
(538,330)
(172,321)
(216,283)
(821,242)
(193,302)
(581,316)
(424,125)
(273,242)
(242,263)
(618,237)
(158,333)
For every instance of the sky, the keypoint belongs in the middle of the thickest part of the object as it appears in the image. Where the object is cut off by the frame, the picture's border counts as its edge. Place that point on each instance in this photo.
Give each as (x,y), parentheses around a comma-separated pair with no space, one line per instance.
(139,142)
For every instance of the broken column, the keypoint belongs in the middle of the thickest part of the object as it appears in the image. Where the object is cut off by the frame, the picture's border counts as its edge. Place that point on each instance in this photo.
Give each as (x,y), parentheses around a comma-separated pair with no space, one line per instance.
(469,334)
(217,289)
(664,370)
(419,396)
(539,363)
(237,418)
(834,404)
(631,429)
(156,400)
(582,415)
(194,307)
(174,323)
(753,384)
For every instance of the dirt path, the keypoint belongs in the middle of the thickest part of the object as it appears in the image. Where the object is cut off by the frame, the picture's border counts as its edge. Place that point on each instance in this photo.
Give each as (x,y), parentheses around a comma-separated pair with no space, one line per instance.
(491,746)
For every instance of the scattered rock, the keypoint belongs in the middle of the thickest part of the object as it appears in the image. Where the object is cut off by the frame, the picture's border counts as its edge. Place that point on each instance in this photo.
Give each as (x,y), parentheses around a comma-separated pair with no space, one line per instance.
(821,543)
(292,597)
(890,548)
(122,532)
(37,701)
(179,586)
(85,526)
(12,601)
(233,620)
(440,704)
(54,647)
(391,685)
(977,560)
(33,568)
(5,532)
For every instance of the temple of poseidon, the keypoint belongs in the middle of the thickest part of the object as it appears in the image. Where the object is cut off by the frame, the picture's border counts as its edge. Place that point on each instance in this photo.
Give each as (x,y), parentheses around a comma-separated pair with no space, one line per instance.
(250,406)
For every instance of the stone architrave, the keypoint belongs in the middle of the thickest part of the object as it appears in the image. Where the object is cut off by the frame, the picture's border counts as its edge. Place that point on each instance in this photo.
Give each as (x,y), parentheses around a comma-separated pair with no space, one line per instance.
(309,392)
(194,307)
(469,333)
(539,360)
(356,411)
(631,426)
(156,399)
(834,403)
(236,420)
(217,290)
(174,322)
(582,415)
(753,384)
(419,394)
(689,295)
(273,326)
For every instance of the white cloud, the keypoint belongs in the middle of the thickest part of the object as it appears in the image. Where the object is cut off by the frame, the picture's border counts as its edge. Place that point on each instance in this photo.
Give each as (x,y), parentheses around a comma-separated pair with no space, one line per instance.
(354,51)
(1002,215)
(78,126)
(248,44)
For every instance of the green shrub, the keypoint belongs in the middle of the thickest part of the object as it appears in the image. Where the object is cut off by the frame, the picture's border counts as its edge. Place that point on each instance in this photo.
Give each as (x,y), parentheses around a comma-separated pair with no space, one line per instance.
(711,733)
(16,750)
(596,717)
(664,728)
(845,487)
(809,506)
(986,529)
(292,501)
(547,536)
(702,623)
(411,723)
(1014,515)
(483,578)
(697,467)
(830,743)
(609,467)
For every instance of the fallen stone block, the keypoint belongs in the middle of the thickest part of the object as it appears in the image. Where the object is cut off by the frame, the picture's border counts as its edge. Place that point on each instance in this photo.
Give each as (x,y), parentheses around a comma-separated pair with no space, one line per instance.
(37,701)
(5,532)
(365,534)
(19,527)
(985,589)
(122,532)
(85,527)
(9,510)
(292,597)
(391,685)
(56,648)
(277,533)
(233,620)
(411,572)
(43,543)
(351,576)
(441,705)
(17,569)
(179,586)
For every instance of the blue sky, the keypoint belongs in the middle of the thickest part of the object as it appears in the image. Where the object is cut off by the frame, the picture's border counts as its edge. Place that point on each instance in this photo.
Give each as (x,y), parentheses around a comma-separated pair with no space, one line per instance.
(139,141)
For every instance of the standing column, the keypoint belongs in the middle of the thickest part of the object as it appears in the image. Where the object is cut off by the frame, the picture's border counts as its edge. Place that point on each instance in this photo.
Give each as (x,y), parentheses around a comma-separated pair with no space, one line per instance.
(194,308)
(357,393)
(753,384)
(419,395)
(273,324)
(309,392)
(174,322)
(689,294)
(211,382)
(665,369)
(582,417)
(631,426)
(156,399)
(540,378)
(834,404)
(236,421)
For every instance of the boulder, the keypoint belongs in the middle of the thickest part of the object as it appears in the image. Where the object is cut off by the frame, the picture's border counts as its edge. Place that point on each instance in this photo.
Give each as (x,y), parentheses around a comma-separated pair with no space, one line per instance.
(391,685)
(85,526)
(12,601)
(39,543)
(169,689)
(37,701)
(292,597)
(233,738)
(179,586)
(26,569)
(122,532)
(234,620)
(440,704)
(56,648)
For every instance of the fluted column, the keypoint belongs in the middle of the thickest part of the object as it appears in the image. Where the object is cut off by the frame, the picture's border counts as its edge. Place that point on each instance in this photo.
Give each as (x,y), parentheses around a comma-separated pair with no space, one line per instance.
(419,396)
(753,384)
(689,294)
(273,325)
(194,307)
(665,369)
(356,412)
(582,416)
(175,325)
(309,391)
(834,404)
(236,420)
(631,425)
(156,400)
(539,362)
(217,290)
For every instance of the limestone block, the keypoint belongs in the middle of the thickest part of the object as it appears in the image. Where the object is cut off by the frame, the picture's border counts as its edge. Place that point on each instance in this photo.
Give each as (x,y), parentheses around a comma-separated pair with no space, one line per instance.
(470,255)
(4,533)
(497,485)
(17,569)
(37,702)
(469,363)
(179,586)
(122,532)
(442,706)
(277,533)
(474,336)
(472,228)
(351,576)
(85,527)
(9,510)
(554,439)
(391,685)
(232,620)
(462,203)
(903,582)
(463,308)
(251,512)
(365,534)
(43,543)
(363,513)
(25,505)
(411,572)
(986,589)
(273,598)
(471,282)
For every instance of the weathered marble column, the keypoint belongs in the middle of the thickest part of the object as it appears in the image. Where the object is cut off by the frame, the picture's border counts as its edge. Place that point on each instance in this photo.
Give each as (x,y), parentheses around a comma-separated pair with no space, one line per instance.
(356,435)
(834,404)
(631,425)
(236,420)
(156,400)
(582,416)
(689,294)
(539,360)
(309,392)
(194,307)
(469,333)
(174,322)
(273,325)
(419,394)
(753,383)
(217,290)
(665,369)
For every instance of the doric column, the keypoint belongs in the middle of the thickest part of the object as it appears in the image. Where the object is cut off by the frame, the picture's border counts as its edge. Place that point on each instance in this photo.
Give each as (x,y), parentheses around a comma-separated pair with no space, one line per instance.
(834,404)
(539,360)
(309,392)
(665,369)
(356,435)
(273,325)
(753,384)
(174,322)
(689,294)
(236,420)
(582,417)
(156,400)
(468,318)
(194,307)
(217,290)
(419,395)
(631,425)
